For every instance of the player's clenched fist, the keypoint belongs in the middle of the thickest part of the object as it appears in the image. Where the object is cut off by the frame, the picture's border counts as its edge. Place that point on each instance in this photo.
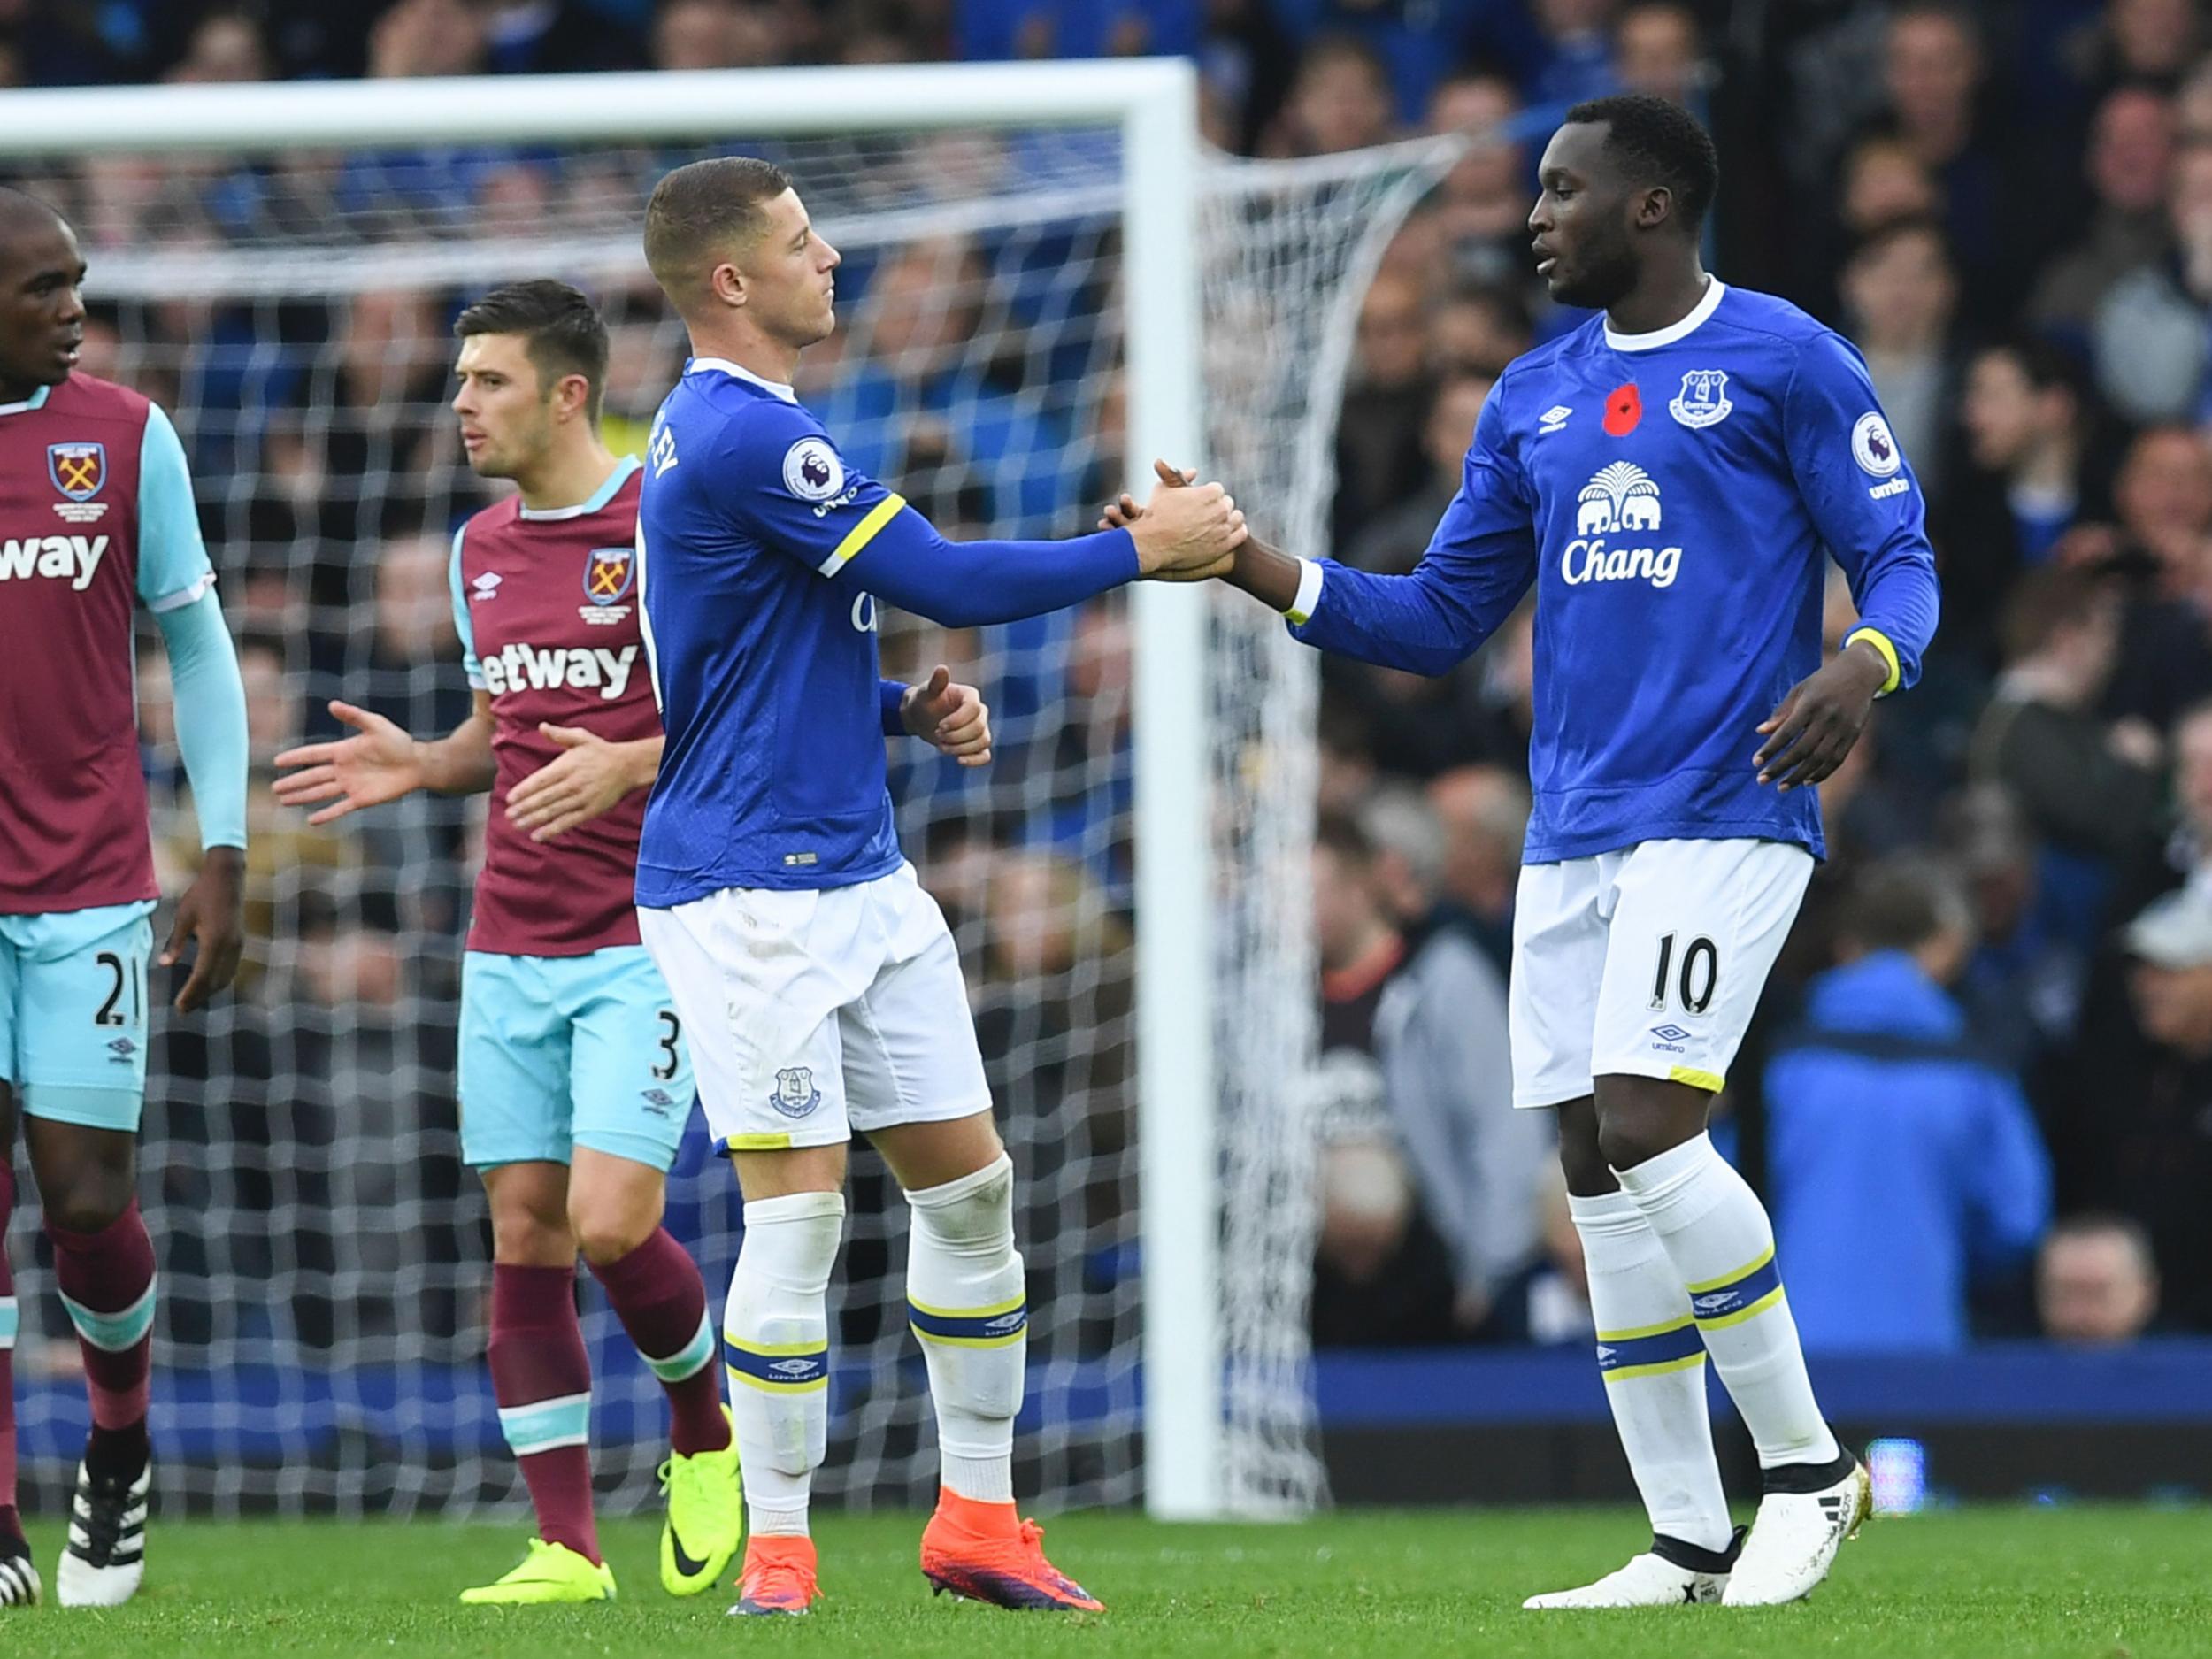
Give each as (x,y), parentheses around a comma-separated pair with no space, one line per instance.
(951,717)
(1187,532)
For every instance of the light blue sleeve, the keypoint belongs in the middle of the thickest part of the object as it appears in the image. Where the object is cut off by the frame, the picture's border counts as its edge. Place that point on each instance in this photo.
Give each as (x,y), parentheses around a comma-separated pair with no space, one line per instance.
(462,625)
(173,566)
(210,715)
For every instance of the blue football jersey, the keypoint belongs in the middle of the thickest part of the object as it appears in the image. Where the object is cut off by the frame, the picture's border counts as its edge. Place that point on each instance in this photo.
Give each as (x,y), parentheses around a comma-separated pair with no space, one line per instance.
(773,772)
(1674,498)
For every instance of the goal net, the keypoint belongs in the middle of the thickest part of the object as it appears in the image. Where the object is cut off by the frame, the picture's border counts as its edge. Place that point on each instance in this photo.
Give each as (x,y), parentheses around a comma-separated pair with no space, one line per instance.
(324,1278)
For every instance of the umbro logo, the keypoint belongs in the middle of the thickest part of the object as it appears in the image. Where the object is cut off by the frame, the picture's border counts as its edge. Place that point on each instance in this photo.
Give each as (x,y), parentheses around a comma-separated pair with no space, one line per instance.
(1713,1301)
(796,1367)
(487,584)
(1670,1034)
(1552,418)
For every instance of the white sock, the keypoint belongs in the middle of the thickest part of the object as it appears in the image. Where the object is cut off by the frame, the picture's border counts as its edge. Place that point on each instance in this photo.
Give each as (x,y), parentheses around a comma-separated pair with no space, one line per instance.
(775,1333)
(966,1301)
(1716,1233)
(1654,1365)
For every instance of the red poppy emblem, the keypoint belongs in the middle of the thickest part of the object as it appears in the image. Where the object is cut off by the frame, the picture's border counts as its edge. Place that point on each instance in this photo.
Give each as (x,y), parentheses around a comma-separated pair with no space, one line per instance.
(1622,410)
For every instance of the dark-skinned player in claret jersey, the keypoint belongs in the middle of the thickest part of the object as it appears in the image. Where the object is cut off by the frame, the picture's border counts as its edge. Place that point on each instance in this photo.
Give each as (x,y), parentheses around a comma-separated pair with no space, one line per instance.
(1671,478)
(96,518)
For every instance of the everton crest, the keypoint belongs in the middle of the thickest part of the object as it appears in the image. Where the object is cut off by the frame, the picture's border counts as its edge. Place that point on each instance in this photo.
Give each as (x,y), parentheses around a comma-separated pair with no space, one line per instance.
(796,1094)
(1703,399)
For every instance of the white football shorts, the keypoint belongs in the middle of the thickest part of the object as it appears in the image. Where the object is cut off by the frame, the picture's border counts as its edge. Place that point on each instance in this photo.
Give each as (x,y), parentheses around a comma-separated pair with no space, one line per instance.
(818,1013)
(1647,963)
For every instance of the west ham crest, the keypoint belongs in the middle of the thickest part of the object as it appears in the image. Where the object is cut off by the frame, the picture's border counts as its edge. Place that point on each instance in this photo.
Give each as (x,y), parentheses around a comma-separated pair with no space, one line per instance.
(1703,399)
(77,470)
(609,574)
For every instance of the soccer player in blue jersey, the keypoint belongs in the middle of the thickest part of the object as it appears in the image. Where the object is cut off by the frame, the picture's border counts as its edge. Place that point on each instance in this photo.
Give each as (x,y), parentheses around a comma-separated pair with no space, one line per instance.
(815,979)
(1671,478)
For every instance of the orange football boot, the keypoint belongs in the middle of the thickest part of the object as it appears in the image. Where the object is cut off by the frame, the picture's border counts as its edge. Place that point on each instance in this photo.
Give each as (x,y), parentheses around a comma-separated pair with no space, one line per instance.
(778,1577)
(986,1552)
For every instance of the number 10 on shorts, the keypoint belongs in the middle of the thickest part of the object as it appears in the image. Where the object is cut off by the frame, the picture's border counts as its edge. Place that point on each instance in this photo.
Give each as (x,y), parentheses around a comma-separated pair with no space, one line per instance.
(1701,975)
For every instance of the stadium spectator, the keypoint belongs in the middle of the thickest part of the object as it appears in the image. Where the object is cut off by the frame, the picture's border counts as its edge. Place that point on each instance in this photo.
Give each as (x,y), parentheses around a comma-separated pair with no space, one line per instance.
(1900,291)
(1477,328)
(1413,1041)
(2147,330)
(1933,72)
(226,45)
(2163,501)
(1656,49)
(427,37)
(1484,810)
(1481,208)
(2030,476)
(1881,1091)
(2131,159)
(1340,100)
(2087,786)
(1395,538)
(2095,1282)
(2022,987)
(1379,460)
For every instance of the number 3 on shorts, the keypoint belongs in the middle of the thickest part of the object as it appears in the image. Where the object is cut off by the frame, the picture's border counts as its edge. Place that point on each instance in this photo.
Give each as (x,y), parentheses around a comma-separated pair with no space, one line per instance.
(1701,975)
(672,1034)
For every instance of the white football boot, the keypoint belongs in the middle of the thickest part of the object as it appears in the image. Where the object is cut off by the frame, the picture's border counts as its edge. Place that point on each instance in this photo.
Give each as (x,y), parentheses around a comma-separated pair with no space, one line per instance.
(1670,1573)
(106,1554)
(1794,1539)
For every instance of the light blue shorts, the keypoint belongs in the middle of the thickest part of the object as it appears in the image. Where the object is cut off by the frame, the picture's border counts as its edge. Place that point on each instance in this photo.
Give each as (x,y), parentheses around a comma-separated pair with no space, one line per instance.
(558,1051)
(72,1013)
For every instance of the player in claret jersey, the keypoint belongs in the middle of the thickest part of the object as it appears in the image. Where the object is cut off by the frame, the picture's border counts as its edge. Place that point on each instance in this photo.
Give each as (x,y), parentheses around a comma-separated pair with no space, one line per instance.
(96,514)
(821,990)
(575,1083)
(1671,478)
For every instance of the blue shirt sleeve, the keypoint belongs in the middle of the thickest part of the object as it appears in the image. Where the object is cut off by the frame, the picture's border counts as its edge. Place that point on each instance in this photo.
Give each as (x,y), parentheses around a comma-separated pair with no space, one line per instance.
(210,699)
(172,566)
(462,625)
(785,483)
(1479,564)
(1864,500)
(891,694)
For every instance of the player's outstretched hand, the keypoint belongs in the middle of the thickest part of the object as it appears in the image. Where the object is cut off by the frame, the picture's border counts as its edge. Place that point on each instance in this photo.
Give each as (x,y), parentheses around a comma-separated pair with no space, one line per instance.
(1187,531)
(576,786)
(210,915)
(1809,735)
(1120,515)
(949,717)
(377,764)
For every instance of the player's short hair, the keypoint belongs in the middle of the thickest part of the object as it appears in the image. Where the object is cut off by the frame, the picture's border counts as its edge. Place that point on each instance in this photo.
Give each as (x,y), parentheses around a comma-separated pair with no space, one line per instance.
(1903,903)
(707,206)
(20,207)
(561,330)
(1658,143)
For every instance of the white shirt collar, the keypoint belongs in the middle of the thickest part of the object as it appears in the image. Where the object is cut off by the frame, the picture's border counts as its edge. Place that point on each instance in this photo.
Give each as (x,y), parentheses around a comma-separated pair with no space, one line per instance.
(739,372)
(597,499)
(1714,289)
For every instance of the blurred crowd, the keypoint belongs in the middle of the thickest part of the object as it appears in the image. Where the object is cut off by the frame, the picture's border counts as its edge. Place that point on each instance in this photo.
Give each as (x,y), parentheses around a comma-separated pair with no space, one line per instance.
(1993,1023)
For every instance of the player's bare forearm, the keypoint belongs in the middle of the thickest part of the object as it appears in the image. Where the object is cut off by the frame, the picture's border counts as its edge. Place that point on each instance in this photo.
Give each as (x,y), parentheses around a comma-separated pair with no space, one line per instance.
(1268,573)
(642,761)
(461,762)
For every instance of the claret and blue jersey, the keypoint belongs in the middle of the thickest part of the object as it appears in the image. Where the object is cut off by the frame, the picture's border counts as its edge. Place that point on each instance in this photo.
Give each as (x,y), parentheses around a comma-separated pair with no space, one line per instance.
(1673,498)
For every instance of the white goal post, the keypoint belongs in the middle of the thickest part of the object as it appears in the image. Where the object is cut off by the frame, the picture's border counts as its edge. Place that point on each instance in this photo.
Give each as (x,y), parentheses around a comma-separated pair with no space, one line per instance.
(1170,235)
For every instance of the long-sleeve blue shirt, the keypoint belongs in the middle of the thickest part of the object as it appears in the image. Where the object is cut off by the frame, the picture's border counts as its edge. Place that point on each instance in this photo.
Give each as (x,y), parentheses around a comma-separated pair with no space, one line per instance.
(1900,1164)
(1673,497)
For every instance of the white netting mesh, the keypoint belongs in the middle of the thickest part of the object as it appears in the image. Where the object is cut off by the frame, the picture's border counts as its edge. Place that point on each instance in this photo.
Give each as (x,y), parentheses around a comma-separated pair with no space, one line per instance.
(325,1284)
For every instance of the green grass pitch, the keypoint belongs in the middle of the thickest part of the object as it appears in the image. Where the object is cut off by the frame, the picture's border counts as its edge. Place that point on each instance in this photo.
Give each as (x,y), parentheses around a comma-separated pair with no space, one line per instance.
(2089,1583)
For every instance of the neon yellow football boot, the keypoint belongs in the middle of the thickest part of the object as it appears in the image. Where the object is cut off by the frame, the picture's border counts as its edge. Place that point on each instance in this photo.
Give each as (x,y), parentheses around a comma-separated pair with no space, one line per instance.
(549,1573)
(706,1518)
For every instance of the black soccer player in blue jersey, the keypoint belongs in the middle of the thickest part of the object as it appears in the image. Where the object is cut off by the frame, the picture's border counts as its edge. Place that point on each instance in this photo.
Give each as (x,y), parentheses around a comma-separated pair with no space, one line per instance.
(1671,478)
